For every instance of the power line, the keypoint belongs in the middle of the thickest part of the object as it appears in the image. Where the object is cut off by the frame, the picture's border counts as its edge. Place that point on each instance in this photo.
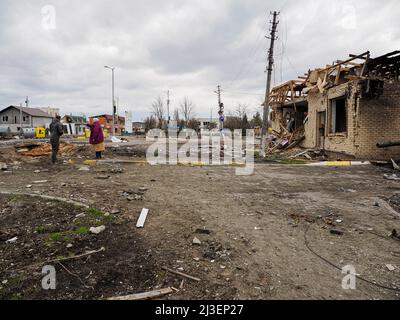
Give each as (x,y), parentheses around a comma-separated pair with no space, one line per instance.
(250,59)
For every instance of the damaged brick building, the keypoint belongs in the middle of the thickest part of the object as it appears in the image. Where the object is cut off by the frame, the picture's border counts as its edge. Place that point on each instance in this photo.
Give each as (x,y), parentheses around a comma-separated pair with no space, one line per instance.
(348,107)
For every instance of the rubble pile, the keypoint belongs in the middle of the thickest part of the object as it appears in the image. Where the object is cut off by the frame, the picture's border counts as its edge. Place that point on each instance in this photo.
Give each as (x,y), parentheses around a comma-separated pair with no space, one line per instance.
(285,140)
(44,150)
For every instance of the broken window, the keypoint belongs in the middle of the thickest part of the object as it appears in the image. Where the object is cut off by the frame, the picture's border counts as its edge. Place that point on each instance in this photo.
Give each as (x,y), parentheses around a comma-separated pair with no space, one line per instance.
(338,115)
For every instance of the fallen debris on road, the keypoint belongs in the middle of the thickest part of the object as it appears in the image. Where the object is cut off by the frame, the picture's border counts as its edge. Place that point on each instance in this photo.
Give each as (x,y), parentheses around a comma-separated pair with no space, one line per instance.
(144,296)
(142,218)
(181,274)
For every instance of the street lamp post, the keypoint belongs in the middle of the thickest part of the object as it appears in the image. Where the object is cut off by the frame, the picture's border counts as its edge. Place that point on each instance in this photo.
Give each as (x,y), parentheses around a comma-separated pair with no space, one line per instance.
(113,100)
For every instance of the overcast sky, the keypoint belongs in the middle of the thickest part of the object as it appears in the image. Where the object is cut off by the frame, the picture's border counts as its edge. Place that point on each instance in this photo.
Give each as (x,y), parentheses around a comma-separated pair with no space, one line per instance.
(186,46)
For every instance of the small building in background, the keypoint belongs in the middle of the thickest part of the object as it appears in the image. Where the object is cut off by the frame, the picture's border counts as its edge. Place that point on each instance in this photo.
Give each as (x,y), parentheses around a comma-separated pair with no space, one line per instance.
(74,125)
(51,111)
(106,121)
(207,123)
(13,117)
(139,128)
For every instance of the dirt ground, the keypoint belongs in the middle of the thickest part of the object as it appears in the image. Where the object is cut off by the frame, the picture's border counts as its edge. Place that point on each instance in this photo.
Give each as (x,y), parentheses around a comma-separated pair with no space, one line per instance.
(265,236)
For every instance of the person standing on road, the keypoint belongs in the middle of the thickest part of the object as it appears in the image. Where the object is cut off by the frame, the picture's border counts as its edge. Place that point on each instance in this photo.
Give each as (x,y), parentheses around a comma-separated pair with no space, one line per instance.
(56,131)
(97,137)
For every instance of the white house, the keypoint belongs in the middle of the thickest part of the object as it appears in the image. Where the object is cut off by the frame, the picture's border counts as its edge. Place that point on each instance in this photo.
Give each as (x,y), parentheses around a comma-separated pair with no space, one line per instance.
(13,117)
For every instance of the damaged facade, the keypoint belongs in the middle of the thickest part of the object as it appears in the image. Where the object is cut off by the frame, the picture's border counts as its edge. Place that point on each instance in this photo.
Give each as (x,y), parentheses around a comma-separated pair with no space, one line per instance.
(348,107)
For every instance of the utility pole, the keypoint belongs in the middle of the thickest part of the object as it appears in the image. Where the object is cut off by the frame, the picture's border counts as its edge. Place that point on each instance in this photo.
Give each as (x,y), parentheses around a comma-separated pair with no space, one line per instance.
(221,109)
(27,101)
(265,127)
(113,100)
(20,119)
(168,114)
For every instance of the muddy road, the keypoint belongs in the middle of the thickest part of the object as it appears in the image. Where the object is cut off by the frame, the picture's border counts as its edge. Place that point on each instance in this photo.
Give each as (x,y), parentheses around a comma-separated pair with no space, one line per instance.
(285,232)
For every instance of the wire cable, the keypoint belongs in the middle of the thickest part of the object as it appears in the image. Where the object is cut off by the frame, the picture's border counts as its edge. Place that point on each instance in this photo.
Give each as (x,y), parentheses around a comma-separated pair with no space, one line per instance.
(307,243)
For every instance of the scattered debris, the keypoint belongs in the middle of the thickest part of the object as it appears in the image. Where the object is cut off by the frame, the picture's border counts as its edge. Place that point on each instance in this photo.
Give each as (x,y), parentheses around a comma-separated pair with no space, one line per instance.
(142,218)
(178,273)
(90,162)
(133,196)
(3,166)
(284,139)
(202,231)
(13,240)
(84,168)
(383,204)
(196,242)
(393,177)
(395,235)
(390,267)
(40,182)
(395,165)
(34,150)
(337,232)
(97,230)
(144,296)
(103,177)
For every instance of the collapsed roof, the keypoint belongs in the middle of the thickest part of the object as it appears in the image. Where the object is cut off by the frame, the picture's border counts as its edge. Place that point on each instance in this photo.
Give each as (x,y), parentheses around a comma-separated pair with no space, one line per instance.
(357,67)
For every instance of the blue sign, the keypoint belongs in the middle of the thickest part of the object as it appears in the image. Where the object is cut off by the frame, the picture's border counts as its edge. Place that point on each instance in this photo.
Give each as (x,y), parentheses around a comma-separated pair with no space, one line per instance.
(222,119)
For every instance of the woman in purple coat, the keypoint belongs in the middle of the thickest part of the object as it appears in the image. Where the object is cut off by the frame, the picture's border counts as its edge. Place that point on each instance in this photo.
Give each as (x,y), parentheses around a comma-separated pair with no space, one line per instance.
(97,137)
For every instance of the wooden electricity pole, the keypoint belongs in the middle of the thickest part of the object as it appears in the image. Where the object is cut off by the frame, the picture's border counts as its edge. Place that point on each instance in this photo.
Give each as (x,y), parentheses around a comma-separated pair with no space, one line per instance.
(221,109)
(265,127)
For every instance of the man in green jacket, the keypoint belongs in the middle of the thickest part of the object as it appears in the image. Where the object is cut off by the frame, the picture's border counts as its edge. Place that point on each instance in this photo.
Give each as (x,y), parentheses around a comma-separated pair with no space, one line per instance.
(56,131)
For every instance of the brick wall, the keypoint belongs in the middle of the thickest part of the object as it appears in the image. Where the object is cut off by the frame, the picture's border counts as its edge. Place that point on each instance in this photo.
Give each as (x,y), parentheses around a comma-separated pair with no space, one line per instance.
(379,121)
(369,121)
(319,102)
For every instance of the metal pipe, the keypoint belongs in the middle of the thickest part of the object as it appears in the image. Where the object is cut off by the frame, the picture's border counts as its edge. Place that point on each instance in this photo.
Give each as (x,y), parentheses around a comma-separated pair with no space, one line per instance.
(388,144)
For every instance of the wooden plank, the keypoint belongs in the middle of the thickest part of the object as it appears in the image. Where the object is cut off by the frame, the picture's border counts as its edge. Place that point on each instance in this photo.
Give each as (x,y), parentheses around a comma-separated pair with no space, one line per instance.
(339,69)
(181,274)
(142,218)
(144,296)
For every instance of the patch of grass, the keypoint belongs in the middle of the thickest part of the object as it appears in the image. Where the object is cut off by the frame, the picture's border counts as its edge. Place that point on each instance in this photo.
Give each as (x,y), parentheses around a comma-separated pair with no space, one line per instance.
(60,258)
(45,229)
(82,231)
(41,230)
(94,213)
(99,216)
(59,237)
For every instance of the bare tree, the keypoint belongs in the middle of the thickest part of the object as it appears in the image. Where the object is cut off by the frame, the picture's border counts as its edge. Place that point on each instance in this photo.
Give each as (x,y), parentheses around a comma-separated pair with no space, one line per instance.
(241,110)
(176,115)
(187,109)
(158,111)
(150,123)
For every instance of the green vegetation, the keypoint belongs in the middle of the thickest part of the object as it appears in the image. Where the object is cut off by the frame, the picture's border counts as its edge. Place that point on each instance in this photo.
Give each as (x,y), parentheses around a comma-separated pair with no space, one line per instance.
(82,231)
(94,213)
(99,216)
(59,237)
